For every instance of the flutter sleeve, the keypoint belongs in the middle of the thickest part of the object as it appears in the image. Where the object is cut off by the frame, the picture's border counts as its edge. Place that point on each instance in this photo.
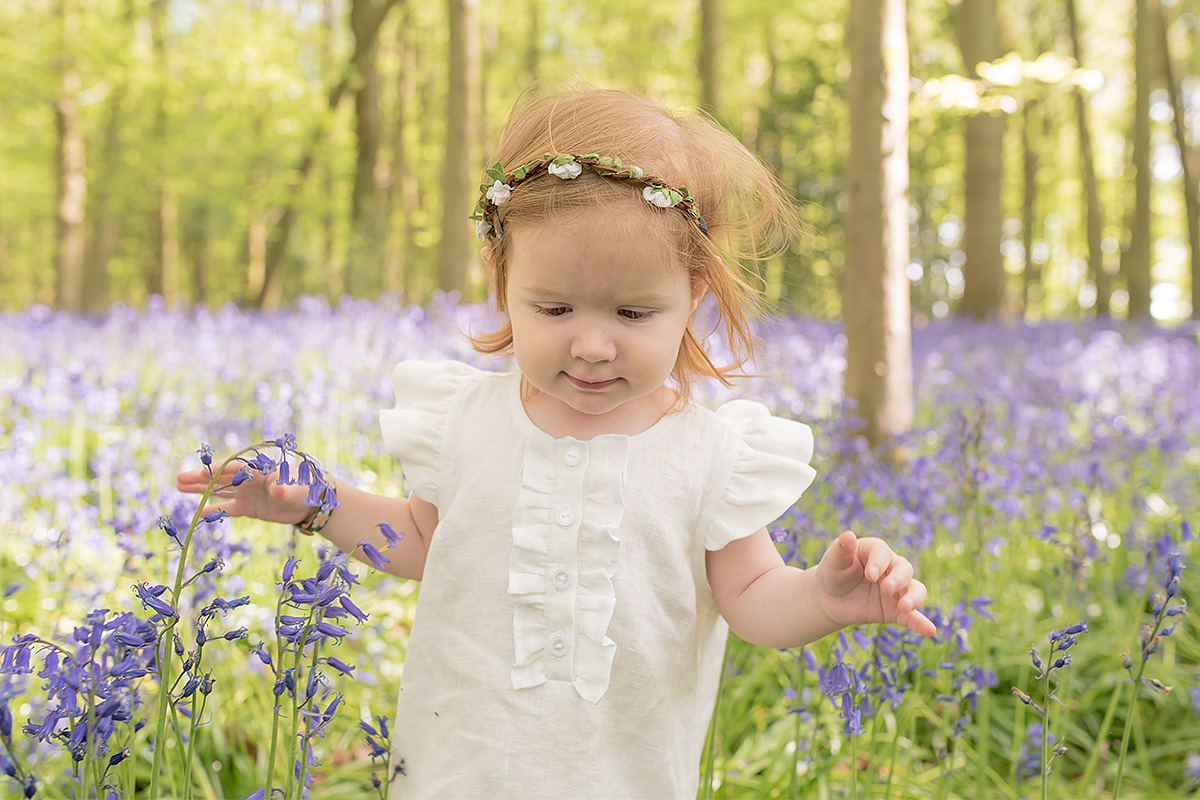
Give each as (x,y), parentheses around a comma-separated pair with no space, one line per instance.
(414,430)
(770,471)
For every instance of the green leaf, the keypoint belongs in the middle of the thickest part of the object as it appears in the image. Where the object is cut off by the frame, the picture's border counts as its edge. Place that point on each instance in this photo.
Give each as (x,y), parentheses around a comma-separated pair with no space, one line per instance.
(495,173)
(606,162)
(676,197)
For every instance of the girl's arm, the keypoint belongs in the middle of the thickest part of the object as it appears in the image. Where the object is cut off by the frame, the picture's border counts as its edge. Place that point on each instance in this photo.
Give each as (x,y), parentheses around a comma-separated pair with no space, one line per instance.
(356,518)
(771,604)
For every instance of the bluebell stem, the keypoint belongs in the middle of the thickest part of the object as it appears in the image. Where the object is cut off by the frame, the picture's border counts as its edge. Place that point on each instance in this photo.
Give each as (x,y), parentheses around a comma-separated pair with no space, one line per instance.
(1061,641)
(1150,638)
(379,741)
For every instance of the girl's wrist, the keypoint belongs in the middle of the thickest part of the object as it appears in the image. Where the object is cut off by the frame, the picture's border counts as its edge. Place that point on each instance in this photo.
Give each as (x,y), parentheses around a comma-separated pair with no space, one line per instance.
(318,517)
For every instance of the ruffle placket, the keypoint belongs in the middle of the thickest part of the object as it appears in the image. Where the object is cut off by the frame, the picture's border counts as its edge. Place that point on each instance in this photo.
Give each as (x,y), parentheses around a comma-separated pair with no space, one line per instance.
(564,555)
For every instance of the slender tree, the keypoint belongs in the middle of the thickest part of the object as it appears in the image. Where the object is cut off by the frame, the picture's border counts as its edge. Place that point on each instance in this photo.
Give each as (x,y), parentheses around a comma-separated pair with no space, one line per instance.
(710,55)
(72,183)
(165,271)
(1135,261)
(983,214)
(1191,203)
(876,300)
(458,185)
(272,290)
(401,197)
(367,217)
(1087,161)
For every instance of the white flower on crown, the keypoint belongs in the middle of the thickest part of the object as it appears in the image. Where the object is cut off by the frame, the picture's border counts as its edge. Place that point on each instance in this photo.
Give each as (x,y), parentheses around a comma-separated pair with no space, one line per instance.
(499,193)
(657,196)
(482,229)
(567,171)
(636,172)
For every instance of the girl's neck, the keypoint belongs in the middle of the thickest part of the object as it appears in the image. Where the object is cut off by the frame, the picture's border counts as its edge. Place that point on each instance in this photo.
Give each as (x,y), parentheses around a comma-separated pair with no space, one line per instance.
(559,420)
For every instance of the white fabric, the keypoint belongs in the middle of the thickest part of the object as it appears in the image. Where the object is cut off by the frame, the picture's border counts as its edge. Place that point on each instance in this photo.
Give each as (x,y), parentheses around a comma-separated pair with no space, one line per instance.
(566,644)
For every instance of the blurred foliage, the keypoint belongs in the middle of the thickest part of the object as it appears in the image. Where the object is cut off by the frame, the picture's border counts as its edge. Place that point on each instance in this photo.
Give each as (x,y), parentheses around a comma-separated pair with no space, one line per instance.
(244,84)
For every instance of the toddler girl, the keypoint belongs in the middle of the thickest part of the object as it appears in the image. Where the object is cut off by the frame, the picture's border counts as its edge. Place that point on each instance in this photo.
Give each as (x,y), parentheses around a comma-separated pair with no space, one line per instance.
(583,532)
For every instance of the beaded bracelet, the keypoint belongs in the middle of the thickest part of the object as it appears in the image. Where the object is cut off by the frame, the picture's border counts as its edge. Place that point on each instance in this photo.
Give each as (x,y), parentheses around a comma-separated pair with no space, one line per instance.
(319,517)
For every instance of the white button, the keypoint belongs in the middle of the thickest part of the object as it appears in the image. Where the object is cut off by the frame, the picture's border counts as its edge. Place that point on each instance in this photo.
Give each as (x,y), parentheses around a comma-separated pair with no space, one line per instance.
(565,516)
(558,645)
(571,456)
(562,578)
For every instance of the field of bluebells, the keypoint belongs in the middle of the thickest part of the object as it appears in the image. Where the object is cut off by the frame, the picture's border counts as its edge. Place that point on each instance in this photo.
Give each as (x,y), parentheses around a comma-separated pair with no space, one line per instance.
(1048,496)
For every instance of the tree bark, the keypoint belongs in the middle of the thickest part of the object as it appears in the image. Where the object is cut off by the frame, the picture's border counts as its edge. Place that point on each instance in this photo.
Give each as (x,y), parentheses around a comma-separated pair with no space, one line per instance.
(102,215)
(1031,272)
(166,219)
(402,184)
(272,291)
(1191,203)
(983,215)
(710,51)
(1135,263)
(72,183)
(876,296)
(367,219)
(457,183)
(1095,214)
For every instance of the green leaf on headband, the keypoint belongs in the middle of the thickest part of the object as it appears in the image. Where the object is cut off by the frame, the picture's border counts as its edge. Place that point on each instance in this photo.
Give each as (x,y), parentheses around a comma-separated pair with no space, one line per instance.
(676,197)
(606,162)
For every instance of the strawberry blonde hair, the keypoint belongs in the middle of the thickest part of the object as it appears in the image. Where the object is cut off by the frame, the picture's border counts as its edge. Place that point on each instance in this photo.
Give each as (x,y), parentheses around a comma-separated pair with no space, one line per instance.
(750,217)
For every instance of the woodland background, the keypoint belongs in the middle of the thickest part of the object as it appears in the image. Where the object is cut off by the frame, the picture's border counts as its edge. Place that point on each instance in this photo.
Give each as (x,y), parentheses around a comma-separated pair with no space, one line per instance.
(256,150)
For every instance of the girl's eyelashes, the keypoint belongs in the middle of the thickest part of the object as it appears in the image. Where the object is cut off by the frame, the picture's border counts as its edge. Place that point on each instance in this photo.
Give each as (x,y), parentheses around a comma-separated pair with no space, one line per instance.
(629,314)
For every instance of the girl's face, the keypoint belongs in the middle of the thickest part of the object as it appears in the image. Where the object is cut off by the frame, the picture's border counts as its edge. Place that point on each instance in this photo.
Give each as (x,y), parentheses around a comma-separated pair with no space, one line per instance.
(598,311)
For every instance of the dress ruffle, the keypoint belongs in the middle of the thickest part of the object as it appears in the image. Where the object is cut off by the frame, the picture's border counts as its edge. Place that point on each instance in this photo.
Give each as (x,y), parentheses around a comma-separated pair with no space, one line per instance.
(770,471)
(414,429)
(560,632)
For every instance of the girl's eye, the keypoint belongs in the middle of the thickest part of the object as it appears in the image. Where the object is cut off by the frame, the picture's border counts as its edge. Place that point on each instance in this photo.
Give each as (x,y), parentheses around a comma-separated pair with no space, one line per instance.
(553,311)
(634,314)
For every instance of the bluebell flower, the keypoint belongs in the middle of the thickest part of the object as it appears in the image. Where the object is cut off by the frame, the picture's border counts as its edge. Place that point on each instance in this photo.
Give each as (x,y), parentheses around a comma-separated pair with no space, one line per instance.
(390,535)
(206,454)
(338,664)
(377,559)
(352,609)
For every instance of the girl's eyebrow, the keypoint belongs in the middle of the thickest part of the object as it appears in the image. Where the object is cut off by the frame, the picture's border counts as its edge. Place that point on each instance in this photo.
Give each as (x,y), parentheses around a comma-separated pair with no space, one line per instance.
(634,298)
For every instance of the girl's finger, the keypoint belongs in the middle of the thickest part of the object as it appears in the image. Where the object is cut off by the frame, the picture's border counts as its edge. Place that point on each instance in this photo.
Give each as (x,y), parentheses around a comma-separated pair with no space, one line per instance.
(899,574)
(913,598)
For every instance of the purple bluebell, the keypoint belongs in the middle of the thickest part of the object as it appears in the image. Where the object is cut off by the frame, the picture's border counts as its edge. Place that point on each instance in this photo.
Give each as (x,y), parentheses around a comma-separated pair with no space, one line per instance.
(377,559)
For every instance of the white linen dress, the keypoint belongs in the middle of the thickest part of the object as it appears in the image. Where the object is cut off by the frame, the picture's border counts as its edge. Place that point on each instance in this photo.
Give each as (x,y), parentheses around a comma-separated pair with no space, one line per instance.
(565,643)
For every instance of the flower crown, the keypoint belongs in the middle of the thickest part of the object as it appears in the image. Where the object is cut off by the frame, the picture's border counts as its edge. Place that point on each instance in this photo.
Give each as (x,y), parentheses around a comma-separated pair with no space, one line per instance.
(569,166)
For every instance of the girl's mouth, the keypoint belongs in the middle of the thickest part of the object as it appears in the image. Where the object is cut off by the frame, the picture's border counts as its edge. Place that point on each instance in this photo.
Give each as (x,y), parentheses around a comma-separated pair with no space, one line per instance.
(590,386)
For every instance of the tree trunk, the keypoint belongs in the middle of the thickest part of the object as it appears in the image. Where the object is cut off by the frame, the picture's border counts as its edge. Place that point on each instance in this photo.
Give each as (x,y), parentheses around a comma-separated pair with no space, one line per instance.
(72,184)
(166,222)
(458,184)
(330,266)
(1095,215)
(368,226)
(533,44)
(876,300)
(1031,272)
(983,216)
(710,49)
(1191,203)
(272,290)
(103,218)
(1136,261)
(402,186)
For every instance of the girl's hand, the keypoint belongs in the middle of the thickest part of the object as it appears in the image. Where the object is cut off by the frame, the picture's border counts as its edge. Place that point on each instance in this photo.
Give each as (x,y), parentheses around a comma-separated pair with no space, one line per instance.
(260,497)
(863,580)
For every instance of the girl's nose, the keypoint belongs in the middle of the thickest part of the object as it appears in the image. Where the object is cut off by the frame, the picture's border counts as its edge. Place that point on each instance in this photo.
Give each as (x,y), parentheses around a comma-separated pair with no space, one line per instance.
(593,344)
